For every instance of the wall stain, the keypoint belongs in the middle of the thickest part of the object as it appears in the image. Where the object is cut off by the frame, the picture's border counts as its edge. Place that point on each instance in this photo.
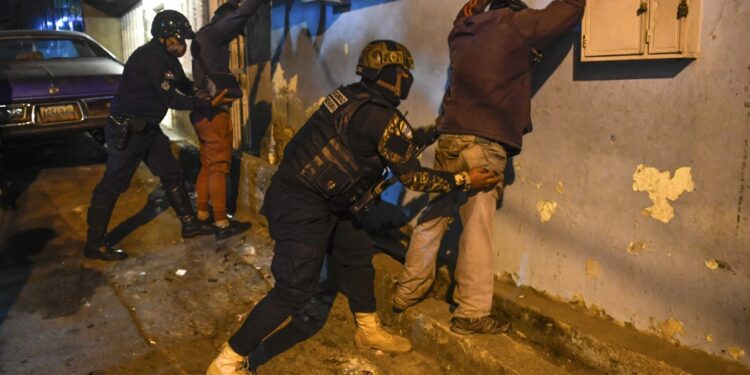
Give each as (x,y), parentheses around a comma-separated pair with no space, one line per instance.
(735,352)
(636,247)
(593,269)
(560,188)
(662,189)
(669,328)
(742,189)
(546,209)
(714,264)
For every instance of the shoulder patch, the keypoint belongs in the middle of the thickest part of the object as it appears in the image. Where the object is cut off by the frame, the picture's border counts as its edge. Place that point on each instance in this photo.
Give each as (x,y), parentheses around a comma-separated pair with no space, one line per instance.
(395,145)
(333,101)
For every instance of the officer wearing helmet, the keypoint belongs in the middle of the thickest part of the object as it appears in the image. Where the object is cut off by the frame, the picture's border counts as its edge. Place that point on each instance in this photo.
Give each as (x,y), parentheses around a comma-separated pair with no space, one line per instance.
(337,155)
(152,82)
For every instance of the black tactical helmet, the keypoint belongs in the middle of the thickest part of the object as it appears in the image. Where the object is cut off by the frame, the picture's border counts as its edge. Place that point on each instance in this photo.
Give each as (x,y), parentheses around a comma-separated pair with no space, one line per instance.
(514,5)
(380,53)
(171,23)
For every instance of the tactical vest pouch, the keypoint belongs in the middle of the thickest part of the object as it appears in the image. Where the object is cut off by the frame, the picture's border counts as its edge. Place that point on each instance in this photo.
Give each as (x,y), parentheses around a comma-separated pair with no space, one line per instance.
(332,180)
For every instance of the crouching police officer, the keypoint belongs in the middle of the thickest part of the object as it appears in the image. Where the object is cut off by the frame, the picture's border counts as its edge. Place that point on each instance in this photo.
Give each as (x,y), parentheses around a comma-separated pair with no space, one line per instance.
(330,163)
(152,82)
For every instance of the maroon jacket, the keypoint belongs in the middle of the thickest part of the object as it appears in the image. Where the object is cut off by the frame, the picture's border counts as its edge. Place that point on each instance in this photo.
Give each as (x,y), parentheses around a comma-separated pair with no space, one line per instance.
(490,53)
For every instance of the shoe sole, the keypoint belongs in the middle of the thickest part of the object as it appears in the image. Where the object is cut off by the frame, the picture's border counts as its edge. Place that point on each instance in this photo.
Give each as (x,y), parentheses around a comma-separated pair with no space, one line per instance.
(93,257)
(219,238)
(362,346)
(193,235)
(462,331)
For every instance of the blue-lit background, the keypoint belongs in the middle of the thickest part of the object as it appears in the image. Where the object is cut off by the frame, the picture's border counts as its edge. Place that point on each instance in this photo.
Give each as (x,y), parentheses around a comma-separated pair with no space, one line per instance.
(42,15)
(63,15)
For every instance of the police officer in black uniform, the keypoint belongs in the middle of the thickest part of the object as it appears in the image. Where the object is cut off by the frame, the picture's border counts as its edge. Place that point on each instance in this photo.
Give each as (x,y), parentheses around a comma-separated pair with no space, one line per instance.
(330,163)
(152,82)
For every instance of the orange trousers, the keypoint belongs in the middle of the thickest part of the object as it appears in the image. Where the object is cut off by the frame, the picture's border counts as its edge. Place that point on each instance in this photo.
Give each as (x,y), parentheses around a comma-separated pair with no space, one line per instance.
(215,137)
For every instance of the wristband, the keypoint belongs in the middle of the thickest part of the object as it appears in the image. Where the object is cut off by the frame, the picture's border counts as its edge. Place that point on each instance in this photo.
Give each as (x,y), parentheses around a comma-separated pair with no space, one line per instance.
(462,180)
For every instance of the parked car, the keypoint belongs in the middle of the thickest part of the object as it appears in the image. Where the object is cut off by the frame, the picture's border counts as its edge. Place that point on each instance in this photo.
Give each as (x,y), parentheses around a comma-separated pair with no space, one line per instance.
(53,82)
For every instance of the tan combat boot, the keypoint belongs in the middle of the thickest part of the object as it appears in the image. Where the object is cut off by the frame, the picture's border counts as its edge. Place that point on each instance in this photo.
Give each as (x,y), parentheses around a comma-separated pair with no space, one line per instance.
(371,335)
(229,363)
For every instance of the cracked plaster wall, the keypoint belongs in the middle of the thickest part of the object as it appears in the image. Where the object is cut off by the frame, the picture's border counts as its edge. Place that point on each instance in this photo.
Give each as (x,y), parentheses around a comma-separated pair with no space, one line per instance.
(576,221)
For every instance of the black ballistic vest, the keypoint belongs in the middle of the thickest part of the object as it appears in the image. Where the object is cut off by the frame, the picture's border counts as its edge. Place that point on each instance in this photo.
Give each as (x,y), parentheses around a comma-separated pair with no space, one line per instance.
(321,157)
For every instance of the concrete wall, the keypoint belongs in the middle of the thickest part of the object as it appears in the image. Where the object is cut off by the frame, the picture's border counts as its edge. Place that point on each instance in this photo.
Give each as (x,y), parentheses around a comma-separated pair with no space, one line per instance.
(106,30)
(579,220)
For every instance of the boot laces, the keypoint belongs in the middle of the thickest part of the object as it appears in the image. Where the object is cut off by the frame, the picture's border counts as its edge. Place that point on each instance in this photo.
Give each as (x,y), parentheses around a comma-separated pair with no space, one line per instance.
(244,367)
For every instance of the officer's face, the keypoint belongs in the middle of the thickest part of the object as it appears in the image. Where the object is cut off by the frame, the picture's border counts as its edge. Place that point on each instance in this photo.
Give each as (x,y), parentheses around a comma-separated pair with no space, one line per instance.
(175,46)
(407,79)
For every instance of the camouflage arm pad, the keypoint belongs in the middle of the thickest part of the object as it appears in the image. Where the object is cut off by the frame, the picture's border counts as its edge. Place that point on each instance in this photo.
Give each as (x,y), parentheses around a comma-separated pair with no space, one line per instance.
(396,146)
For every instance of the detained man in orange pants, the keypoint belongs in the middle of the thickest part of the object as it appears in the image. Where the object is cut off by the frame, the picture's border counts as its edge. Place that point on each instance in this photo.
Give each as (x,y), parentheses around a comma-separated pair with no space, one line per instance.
(215,135)
(210,51)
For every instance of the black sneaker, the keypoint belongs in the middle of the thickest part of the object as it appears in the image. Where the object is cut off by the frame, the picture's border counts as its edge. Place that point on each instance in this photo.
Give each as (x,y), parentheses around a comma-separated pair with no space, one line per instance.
(193,227)
(104,252)
(234,228)
(485,324)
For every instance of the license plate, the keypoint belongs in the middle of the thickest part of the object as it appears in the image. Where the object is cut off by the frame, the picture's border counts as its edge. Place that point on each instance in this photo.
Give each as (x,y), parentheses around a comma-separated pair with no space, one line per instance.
(59,113)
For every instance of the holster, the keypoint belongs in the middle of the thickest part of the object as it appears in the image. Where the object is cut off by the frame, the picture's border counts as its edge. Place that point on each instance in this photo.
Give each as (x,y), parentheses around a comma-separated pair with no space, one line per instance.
(122,131)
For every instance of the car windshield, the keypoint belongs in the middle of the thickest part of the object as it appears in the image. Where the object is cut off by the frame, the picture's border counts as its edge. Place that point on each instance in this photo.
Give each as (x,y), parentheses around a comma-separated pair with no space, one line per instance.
(25,49)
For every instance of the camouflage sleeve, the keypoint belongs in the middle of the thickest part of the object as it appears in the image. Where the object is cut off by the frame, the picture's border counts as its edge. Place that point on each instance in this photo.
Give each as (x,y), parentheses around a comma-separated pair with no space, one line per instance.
(397,148)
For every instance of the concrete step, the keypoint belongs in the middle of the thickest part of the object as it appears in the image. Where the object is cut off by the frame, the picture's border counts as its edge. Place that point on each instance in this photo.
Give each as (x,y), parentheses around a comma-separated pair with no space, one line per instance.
(427,325)
(547,337)
(600,343)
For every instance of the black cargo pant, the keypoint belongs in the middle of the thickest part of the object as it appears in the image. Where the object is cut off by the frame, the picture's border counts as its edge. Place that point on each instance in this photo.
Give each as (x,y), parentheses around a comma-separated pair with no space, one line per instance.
(150,146)
(296,267)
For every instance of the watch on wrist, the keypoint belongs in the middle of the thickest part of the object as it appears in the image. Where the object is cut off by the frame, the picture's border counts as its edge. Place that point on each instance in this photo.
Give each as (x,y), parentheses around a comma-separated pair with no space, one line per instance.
(463,180)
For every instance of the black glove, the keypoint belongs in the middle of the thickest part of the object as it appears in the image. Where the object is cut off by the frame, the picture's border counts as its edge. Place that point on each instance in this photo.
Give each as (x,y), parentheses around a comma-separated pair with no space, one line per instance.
(426,136)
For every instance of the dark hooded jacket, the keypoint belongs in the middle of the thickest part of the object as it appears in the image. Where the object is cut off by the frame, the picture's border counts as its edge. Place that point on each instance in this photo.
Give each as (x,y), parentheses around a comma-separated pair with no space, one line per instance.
(490,88)
(213,41)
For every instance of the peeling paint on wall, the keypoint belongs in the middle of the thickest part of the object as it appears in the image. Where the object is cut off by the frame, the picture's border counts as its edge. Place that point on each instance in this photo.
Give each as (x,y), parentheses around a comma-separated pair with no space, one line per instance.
(714,264)
(636,247)
(288,114)
(662,189)
(736,352)
(314,107)
(593,269)
(546,209)
(281,86)
(670,328)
